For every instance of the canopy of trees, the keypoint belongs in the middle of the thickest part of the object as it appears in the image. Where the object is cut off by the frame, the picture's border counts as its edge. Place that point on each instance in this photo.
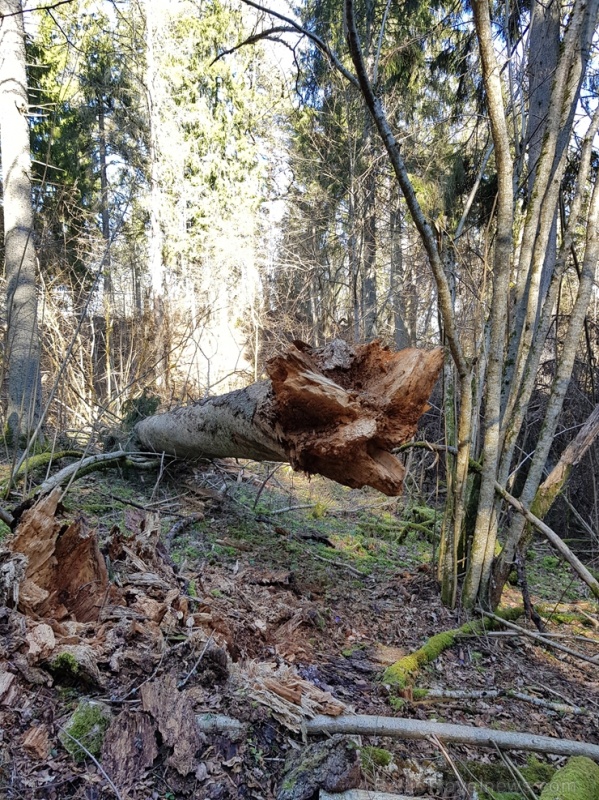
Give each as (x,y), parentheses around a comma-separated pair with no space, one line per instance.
(189,187)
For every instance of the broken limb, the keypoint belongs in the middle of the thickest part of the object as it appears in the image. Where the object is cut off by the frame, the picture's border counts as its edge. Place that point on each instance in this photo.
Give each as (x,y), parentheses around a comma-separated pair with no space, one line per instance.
(401,728)
(337,411)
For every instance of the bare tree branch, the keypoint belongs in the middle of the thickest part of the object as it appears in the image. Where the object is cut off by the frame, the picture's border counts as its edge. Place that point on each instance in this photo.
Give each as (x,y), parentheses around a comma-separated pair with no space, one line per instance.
(37,8)
(256,37)
(322,45)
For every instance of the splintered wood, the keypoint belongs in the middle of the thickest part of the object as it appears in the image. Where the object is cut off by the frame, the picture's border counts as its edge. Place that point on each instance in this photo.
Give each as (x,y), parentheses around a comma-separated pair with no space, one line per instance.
(341,410)
(66,574)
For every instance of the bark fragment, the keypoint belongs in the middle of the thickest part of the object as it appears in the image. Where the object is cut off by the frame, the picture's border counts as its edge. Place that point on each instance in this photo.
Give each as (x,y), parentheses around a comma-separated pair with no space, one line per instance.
(129,747)
(65,574)
(173,712)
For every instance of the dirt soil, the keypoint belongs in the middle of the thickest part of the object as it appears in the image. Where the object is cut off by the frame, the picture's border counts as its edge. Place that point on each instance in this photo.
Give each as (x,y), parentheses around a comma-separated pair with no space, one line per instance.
(271,598)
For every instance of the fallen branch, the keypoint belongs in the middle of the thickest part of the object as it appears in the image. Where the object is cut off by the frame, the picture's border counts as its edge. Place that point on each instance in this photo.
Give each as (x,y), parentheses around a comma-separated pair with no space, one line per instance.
(401,728)
(84,467)
(399,673)
(488,694)
(542,639)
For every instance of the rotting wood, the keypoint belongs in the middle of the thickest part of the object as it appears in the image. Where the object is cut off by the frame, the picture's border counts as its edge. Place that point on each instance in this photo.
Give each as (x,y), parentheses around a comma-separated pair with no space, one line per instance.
(65,574)
(172,710)
(129,747)
(337,411)
(402,728)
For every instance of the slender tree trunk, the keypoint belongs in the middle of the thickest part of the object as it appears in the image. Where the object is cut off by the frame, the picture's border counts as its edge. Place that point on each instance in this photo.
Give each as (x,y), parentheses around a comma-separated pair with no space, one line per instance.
(397,287)
(156,265)
(369,293)
(483,545)
(22,378)
(542,62)
(105,215)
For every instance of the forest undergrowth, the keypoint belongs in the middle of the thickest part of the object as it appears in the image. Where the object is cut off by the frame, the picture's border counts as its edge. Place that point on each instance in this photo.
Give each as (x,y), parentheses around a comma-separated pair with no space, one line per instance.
(277,597)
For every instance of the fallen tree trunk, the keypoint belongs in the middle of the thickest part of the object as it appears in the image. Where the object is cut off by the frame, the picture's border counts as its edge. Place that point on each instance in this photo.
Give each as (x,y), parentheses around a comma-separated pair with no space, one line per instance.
(337,411)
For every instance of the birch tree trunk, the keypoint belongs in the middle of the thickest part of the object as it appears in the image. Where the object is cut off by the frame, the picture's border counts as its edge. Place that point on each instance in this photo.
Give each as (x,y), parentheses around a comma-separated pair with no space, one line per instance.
(21,369)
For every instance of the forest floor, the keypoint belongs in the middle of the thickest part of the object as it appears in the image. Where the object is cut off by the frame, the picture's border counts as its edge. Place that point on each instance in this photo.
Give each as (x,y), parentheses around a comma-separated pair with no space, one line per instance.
(284,593)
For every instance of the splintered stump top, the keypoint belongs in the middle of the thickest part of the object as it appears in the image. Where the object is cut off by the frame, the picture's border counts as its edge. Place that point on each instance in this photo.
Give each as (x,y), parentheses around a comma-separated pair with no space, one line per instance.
(338,411)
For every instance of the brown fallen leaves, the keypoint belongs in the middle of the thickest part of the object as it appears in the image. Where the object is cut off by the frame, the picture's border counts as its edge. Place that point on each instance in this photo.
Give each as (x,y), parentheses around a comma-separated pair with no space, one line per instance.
(69,619)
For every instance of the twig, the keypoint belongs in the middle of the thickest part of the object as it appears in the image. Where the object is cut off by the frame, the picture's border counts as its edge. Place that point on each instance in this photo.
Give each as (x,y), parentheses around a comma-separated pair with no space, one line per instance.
(292,508)
(337,564)
(180,526)
(96,762)
(264,482)
(136,689)
(182,683)
(451,763)
(517,774)
(541,639)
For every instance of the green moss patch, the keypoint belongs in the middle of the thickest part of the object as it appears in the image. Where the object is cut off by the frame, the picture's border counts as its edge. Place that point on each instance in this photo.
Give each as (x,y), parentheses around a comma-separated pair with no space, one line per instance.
(577,780)
(84,732)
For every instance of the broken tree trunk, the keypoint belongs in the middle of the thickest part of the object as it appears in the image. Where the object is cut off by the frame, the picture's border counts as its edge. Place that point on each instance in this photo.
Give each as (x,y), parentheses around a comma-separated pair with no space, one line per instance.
(338,411)
(554,483)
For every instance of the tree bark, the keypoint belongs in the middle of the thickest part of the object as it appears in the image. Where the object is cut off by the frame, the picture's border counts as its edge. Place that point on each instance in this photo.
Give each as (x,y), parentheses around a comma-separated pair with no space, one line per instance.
(22,387)
(398,727)
(338,411)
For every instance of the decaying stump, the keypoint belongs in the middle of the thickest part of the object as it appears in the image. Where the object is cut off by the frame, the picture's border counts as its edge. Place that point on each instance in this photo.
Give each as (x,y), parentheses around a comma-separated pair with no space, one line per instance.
(338,411)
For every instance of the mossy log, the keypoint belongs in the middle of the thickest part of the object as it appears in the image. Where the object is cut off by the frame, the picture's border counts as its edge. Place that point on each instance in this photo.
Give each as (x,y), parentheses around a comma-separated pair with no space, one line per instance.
(338,411)
(577,780)
(404,670)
